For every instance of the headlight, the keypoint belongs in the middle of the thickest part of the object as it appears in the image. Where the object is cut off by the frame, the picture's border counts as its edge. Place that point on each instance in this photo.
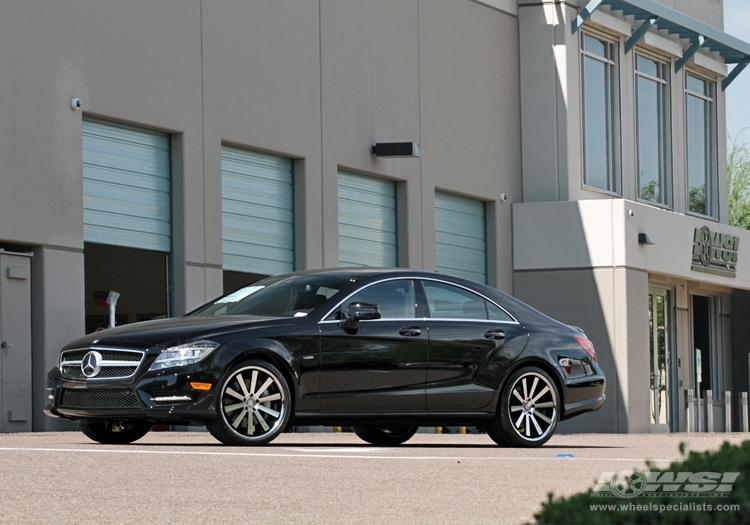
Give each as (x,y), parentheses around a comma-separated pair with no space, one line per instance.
(182,355)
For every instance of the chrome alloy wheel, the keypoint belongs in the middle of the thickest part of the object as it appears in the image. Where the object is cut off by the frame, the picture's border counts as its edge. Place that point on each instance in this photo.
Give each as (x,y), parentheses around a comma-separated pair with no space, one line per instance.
(532,406)
(253,407)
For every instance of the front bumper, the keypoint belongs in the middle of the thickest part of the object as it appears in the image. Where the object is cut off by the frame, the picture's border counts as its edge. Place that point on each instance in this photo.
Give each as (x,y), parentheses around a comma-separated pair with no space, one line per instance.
(165,396)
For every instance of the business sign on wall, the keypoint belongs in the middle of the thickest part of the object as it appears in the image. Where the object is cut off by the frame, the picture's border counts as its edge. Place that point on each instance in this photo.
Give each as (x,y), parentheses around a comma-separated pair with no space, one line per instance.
(715,253)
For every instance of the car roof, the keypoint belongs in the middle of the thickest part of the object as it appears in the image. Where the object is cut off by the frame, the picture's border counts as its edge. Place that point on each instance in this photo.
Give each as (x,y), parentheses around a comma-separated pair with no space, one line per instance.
(369,271)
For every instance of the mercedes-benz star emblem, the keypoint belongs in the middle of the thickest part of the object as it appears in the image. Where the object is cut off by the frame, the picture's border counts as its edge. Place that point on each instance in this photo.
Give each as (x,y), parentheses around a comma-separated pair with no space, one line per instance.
(91,363)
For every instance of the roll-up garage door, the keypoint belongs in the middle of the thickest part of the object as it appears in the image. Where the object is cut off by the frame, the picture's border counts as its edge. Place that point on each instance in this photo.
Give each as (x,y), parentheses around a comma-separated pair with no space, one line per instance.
(460,236)
(257,212)
(367,221)
(126,186)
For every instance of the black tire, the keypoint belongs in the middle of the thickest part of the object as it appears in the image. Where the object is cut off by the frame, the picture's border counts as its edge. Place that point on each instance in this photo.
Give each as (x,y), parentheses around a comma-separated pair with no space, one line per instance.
(529,410)
(115,433)
(385,436)
(253,405)
(497,436)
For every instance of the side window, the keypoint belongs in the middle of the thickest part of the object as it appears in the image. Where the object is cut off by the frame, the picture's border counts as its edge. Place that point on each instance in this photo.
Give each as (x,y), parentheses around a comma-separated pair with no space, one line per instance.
(395,299)
(451,302)
(497,314)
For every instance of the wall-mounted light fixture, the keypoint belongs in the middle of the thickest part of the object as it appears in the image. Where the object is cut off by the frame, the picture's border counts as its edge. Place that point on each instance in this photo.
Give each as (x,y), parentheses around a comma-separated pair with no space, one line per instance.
(395,149)
(644,239)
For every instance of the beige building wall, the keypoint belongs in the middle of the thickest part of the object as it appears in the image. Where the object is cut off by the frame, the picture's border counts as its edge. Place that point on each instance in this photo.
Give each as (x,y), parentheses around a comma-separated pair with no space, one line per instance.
(581,263)
(318,81)
(576,250)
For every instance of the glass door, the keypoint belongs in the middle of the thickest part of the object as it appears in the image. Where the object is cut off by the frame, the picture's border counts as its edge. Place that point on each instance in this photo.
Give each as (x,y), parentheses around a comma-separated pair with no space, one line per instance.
(660,358)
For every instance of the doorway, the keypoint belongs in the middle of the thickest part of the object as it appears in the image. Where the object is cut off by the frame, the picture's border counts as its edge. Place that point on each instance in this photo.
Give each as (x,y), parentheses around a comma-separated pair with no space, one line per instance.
(706,375)
(660,359)
(140,277)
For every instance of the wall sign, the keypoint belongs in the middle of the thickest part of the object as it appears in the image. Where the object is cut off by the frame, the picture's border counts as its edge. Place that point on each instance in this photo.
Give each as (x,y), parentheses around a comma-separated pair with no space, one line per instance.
(715,253)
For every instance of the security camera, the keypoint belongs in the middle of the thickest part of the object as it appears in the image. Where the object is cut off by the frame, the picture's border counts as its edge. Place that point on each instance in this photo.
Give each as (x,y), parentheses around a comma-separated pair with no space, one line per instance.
(76,104)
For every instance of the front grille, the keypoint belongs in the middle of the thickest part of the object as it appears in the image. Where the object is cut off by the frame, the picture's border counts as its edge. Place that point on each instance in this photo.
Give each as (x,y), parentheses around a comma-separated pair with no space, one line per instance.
(99,398)
(115,363)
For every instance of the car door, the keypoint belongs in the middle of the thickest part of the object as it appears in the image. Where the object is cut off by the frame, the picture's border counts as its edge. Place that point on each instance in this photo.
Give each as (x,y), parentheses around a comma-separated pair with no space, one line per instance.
(381,365)
(471,341)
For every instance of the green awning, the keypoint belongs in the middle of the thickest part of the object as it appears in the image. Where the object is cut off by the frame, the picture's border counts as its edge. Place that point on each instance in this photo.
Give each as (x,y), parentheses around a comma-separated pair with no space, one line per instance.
(701,35)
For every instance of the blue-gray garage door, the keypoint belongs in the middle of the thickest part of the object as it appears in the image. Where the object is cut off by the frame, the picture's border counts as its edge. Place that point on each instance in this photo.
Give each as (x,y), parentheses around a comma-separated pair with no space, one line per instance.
(126,186)
(367,221)
(460,236)
(257,212)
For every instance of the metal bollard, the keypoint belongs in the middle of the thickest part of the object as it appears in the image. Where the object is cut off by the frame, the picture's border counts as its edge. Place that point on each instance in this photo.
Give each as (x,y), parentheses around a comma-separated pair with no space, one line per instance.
(690,411)
(727,411)
(709,394)
(743,405)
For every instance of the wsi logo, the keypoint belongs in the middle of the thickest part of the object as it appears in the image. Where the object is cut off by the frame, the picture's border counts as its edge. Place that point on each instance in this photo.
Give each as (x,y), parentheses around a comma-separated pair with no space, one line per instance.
(629,484)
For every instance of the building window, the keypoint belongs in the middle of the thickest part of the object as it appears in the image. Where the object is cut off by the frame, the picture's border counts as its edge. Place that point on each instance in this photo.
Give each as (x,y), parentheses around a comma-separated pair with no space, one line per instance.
(654,167)
(700,118)
(599,107)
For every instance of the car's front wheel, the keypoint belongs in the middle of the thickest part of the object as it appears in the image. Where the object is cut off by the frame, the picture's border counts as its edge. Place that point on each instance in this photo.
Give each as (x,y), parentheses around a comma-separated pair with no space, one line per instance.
(253,405)
(115,433)
(529,410)
(385,436)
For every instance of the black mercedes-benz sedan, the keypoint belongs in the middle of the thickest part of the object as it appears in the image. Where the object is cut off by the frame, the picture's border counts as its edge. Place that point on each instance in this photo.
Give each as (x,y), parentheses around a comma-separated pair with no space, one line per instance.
(384,351)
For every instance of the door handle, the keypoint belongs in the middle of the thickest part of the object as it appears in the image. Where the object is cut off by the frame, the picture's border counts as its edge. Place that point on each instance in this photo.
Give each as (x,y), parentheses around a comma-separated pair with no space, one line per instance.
(410,331)
(494,334)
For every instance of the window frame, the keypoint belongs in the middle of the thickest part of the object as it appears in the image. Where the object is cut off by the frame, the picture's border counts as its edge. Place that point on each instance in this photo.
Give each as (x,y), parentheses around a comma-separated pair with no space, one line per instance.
(709,143)
(665,174)
(612,123)
(333,315)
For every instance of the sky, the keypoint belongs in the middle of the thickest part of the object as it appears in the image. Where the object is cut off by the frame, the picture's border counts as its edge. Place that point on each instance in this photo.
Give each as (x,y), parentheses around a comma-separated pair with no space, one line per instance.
(737,24)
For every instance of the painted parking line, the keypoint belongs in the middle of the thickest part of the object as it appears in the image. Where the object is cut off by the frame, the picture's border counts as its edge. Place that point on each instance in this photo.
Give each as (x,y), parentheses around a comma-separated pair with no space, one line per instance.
(314,453)
(353,450)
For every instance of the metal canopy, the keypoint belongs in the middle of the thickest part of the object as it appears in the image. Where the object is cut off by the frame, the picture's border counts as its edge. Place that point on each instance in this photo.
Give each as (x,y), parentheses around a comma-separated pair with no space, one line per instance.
(653,14)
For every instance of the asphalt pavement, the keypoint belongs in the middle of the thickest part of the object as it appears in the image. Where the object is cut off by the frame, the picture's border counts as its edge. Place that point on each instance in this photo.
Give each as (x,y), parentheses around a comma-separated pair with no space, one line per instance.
(310,478)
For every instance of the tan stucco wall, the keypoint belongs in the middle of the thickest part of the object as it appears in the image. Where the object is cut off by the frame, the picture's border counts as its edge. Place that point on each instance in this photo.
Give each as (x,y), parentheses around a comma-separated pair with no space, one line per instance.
(315,80)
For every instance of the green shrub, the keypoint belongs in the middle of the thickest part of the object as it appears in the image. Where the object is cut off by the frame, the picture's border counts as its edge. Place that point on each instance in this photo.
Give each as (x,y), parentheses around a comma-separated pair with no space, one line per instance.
(658,505)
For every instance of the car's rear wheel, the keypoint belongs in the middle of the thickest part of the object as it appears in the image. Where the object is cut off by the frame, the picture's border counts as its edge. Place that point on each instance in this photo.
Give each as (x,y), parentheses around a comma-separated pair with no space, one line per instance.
(253,405)
(115,433)
(529,410)
(385,436)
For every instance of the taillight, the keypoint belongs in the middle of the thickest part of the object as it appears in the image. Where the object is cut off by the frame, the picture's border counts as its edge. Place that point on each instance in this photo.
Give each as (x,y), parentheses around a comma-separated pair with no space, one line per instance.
(587,346)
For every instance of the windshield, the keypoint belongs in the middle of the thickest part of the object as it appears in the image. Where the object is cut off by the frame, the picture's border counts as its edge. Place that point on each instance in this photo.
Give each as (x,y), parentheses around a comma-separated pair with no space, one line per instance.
(278,296)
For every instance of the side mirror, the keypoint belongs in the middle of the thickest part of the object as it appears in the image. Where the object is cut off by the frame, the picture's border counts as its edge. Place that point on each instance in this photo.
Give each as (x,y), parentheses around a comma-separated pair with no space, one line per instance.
(356,312)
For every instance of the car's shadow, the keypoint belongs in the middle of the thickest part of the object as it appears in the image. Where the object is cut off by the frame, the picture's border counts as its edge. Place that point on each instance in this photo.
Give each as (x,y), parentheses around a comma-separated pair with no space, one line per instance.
(362,445)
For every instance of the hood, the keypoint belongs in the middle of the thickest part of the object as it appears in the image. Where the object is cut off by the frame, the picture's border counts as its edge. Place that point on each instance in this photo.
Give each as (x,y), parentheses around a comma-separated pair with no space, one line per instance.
(174,331)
